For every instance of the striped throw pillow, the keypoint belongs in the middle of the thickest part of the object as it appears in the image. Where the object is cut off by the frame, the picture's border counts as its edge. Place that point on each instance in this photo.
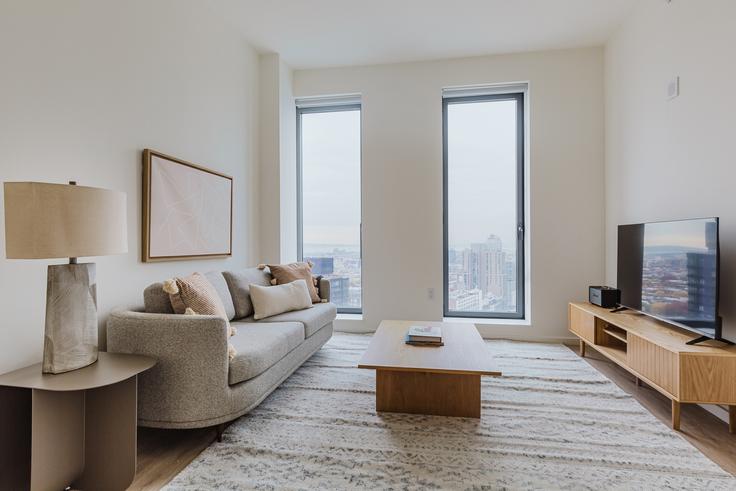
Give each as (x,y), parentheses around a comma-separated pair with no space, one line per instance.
(194,292)
(195,295)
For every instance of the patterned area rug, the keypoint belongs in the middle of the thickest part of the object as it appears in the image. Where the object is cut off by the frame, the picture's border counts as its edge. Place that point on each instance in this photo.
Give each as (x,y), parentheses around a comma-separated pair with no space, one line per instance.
(552,422)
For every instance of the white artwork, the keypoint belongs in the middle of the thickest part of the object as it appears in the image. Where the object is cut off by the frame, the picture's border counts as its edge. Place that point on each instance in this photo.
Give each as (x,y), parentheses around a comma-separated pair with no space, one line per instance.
(189,212)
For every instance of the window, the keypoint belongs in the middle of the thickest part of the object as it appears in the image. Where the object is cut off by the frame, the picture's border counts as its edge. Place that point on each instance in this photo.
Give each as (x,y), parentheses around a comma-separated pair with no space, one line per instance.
(329,205)
(484,205)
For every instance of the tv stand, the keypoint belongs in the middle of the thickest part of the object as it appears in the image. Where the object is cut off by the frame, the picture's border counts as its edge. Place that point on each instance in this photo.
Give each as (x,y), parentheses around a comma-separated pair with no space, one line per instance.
(620,308)
(660,355)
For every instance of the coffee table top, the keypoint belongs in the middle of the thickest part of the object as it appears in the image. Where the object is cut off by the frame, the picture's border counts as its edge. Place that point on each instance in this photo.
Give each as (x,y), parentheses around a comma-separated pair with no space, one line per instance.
(464,351)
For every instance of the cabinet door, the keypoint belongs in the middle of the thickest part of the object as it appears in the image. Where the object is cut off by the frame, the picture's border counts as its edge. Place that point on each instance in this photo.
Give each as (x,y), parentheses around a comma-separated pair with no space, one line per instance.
(581,323)
(655,363)
(708,379)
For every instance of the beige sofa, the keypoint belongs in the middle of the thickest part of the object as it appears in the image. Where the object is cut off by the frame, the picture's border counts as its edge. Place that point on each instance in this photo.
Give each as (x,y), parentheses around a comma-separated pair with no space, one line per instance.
(193,384)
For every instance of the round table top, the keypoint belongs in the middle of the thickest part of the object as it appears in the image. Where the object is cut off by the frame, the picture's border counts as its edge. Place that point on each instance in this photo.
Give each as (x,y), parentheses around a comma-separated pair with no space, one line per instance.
(110,368)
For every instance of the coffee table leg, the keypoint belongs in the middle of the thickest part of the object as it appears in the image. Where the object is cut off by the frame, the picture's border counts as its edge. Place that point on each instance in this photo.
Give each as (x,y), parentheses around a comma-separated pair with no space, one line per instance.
(441,394)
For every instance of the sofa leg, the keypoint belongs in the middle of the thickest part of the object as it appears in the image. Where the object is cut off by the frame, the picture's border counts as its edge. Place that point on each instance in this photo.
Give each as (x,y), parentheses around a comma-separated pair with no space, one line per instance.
(220,429)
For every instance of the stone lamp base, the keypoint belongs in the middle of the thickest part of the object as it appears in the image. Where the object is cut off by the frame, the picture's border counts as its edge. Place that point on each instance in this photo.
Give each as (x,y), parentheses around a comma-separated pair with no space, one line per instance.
(70,340)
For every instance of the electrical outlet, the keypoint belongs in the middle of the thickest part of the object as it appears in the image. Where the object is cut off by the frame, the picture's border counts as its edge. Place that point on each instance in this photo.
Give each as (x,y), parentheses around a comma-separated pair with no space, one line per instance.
(430,293)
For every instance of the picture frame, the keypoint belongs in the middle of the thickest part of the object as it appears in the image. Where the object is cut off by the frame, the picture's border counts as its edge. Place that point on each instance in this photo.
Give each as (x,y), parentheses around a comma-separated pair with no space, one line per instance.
(187,210)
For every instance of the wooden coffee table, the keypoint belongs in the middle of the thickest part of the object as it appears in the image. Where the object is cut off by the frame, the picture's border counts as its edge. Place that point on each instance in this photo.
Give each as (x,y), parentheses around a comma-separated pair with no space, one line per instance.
(442,380)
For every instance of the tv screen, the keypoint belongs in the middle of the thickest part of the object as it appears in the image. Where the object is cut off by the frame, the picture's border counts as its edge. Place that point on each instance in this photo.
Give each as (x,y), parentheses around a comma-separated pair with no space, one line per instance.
(669,270)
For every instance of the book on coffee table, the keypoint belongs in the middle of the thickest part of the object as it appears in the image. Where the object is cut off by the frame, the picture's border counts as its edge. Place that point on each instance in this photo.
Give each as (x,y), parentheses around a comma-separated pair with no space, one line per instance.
(424,336)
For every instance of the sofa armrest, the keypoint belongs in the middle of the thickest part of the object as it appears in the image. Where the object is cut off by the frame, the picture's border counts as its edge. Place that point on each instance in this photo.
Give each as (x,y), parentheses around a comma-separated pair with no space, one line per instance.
(324,289)
(192,361)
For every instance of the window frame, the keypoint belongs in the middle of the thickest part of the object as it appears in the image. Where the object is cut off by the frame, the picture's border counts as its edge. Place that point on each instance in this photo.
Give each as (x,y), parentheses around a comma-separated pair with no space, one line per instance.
(521,279)
(326,108)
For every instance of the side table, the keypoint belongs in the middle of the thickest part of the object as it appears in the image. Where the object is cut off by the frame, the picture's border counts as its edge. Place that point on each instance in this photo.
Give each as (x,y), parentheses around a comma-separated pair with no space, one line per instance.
(76,429)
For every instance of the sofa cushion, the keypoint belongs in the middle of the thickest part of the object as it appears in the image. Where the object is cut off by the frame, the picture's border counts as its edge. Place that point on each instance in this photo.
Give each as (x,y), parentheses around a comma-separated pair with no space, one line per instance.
(313,319)
(260,346)
(156,300)
(239,284)
(218,281)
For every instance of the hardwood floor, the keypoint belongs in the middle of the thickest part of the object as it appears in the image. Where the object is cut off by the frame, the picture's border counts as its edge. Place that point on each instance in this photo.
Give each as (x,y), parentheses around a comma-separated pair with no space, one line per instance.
(162,454)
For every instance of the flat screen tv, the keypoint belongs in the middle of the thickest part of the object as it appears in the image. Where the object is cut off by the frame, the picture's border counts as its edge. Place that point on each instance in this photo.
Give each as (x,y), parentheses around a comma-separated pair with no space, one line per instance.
(669,270)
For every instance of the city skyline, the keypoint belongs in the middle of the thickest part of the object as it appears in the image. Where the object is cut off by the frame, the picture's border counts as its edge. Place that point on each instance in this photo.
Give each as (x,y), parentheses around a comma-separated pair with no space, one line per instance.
(482,277)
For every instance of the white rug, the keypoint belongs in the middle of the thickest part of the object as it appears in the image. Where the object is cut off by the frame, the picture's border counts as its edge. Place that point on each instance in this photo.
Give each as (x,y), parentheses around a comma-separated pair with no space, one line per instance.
(551,422)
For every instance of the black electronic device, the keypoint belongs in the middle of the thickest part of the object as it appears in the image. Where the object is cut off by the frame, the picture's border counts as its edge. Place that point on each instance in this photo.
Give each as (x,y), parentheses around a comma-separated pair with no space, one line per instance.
(604,296)
(670,271)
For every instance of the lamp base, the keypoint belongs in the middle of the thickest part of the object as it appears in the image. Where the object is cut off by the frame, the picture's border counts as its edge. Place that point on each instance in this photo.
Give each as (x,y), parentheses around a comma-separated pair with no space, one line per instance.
(70,340)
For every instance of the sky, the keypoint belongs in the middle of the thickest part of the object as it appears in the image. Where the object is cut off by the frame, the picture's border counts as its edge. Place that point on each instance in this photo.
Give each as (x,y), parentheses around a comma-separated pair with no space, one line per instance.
(481,151)
(331,177)
(683,233)
(481,180)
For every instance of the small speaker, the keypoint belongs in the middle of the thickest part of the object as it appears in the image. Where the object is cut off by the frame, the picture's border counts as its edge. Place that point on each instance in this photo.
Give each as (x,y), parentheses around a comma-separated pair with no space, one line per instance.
(604,296)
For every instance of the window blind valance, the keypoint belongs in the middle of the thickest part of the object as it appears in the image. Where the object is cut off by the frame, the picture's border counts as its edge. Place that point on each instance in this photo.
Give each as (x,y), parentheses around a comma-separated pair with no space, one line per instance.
(326,101)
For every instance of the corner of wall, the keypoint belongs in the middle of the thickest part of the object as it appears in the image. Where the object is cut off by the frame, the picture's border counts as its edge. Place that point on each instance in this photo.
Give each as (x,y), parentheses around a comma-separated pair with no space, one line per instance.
(277,161)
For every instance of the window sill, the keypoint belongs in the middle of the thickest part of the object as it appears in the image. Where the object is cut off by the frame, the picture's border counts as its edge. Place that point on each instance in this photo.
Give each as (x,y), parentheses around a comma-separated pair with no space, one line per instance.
(490,322)
(349,317)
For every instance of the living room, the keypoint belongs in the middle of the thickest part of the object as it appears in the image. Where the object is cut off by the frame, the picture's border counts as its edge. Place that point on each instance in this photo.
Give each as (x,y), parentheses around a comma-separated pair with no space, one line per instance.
(472,167)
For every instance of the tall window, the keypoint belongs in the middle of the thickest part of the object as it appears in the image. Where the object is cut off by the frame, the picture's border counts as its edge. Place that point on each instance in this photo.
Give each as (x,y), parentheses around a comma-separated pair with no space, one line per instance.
(329,198)
(484,205)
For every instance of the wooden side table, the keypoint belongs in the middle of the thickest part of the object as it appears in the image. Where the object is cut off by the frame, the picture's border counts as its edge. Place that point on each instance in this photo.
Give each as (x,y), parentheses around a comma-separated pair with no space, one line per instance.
(72,429)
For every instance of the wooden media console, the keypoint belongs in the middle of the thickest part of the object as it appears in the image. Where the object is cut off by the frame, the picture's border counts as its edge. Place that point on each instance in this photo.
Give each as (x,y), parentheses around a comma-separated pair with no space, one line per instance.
(657,354)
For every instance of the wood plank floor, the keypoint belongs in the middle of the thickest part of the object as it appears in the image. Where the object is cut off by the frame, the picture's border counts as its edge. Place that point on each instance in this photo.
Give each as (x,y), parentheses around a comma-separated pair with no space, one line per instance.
(162,454)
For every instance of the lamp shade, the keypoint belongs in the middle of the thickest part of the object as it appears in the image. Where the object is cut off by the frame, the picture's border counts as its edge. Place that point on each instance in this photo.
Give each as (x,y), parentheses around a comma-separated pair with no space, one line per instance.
(45,220)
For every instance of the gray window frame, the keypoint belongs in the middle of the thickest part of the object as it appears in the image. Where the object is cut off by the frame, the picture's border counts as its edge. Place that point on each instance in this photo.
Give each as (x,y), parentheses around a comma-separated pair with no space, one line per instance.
(299,180)
(519,97)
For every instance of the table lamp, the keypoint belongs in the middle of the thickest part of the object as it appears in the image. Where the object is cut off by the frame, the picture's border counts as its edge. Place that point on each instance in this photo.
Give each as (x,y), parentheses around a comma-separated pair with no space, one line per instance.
(44,221)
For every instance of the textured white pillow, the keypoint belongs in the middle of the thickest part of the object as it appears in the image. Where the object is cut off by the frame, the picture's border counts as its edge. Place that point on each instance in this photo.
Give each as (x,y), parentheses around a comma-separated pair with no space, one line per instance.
(272,300)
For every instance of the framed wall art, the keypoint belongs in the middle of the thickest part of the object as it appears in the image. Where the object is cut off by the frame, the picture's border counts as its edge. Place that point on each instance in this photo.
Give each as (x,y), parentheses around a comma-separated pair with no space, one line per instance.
(187,210)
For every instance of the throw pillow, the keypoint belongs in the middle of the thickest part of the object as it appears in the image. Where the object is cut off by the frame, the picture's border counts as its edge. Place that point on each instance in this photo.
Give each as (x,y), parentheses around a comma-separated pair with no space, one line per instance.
(195,292)
(272,300)
(195,295)
(286,273)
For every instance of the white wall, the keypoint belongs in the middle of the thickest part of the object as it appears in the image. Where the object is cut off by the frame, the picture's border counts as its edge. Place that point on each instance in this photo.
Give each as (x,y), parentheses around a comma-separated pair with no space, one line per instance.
(269,148)
(287,165)
(277,148)
(670,159)
(402,180)
(84,87)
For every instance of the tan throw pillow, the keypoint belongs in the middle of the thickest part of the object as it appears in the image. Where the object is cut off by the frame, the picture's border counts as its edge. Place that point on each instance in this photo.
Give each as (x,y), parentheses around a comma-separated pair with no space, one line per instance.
(286,273)
(273,300)
(195,295)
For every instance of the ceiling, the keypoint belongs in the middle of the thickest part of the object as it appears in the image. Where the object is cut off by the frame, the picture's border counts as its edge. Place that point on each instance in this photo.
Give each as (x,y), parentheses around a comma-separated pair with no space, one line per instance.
(321,33)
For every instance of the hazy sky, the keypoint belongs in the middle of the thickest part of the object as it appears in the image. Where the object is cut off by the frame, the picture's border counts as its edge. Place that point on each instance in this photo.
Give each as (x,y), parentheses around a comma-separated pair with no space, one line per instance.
(482,174)
(331,177)
(686,233)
